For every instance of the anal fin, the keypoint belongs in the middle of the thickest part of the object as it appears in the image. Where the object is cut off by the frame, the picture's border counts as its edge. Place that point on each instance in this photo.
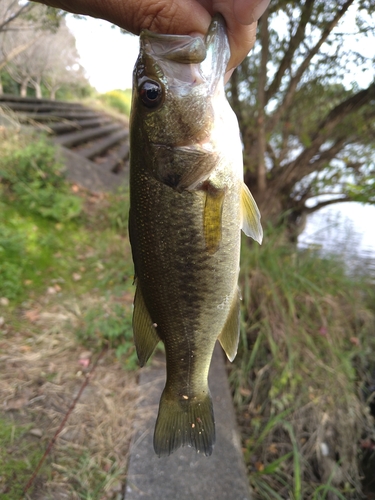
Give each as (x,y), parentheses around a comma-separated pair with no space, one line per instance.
(144,331)
(230,334)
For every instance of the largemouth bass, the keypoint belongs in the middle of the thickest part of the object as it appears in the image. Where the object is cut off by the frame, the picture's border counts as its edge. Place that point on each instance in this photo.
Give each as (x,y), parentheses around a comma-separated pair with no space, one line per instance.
(188,204)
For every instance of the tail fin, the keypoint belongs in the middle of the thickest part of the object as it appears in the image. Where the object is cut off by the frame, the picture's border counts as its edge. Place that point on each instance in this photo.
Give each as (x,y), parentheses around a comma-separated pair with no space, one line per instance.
(185,422)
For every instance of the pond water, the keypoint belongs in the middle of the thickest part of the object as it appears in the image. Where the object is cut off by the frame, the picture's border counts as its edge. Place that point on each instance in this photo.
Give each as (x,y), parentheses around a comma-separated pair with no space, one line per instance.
(347,230)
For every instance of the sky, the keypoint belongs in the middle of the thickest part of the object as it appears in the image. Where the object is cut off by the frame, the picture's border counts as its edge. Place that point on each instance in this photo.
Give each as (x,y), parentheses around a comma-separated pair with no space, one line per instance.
(107,55)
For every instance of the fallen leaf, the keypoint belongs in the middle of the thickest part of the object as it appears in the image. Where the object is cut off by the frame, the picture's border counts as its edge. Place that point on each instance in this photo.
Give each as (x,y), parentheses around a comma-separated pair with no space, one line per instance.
(272,448)
(4,301)
(15,404)
(36,432)
(323,331)
(32,315)
(85,354)
(76,277)
(84,362)
(355,341)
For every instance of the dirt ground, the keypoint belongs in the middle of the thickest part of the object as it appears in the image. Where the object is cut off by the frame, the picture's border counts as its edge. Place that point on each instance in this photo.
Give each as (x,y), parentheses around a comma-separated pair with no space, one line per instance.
(42,368)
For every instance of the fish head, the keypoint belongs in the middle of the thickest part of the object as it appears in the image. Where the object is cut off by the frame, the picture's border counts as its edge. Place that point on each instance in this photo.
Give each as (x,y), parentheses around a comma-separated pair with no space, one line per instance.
(174,80)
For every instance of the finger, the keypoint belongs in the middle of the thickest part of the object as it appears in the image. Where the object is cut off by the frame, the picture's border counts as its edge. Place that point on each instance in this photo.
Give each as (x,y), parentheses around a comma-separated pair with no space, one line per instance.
(179,17)
(249,11)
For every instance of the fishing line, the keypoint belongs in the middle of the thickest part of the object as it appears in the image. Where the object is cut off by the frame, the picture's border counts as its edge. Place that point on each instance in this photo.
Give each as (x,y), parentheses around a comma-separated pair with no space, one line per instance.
(63,422)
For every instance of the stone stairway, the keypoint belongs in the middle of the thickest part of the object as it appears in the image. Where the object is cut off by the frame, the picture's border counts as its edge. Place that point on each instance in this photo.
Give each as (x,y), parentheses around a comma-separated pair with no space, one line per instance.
(95,145)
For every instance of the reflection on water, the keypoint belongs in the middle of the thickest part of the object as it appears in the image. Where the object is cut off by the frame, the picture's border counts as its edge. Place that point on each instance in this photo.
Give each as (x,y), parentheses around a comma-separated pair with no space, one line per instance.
(345,229)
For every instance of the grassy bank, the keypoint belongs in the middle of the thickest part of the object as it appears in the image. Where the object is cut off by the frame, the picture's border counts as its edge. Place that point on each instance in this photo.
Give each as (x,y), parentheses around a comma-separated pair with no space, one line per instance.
(65,294)
(301,379)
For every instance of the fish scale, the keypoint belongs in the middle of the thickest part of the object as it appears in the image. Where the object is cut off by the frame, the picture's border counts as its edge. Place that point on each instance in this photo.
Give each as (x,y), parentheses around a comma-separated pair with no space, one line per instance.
(187,206)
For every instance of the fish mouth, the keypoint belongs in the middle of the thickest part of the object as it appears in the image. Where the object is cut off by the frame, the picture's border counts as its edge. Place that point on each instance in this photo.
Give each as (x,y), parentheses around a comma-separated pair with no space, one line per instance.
(183,61)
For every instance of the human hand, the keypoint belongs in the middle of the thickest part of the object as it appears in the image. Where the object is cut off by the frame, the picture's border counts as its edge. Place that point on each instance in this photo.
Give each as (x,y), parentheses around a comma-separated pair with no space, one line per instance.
(181,17)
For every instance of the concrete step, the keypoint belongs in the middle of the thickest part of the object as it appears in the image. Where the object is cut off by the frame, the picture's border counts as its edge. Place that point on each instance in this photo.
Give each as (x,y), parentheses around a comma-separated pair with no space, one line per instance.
(99,138)
(89,175)
(37,107)
(103,145)
(34,100)
(115,161)
(186,475)
(69,125)
(56,117)
(74,138)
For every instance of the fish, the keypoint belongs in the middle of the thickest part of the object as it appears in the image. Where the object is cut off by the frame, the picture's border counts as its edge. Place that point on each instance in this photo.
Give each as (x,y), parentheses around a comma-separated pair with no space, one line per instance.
(188,204)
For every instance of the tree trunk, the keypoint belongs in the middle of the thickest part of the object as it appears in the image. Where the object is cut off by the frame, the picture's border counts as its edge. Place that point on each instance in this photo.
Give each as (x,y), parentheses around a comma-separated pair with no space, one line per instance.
(38,89)
(1,87)
(24,85)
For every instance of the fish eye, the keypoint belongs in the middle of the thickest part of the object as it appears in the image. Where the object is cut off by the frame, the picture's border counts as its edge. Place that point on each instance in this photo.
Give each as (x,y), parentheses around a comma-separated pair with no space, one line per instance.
(151,93)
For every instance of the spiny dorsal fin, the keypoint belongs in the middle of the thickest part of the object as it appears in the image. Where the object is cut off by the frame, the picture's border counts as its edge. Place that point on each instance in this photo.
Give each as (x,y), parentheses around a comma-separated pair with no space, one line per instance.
(212,219)
(144,330)
(230,334)
(251,225)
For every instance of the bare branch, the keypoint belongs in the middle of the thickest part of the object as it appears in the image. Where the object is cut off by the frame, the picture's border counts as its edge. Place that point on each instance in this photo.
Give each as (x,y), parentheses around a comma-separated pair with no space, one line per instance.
(294,43)
(16,51)
(275,118)
(326,203)
(294,170)
(22,10)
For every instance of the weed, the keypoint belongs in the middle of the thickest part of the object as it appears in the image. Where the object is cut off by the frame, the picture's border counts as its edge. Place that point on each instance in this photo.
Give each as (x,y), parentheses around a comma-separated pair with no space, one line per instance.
(33,178)
(305,341)
(112,327)
(18,458)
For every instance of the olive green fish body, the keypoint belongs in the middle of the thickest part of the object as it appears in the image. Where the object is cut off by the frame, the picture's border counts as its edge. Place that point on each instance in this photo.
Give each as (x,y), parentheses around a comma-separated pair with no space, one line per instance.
(187,198)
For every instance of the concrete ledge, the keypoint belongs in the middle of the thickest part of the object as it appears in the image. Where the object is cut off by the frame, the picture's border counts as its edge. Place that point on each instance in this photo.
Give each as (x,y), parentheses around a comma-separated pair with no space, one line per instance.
(185,475)
(90,175)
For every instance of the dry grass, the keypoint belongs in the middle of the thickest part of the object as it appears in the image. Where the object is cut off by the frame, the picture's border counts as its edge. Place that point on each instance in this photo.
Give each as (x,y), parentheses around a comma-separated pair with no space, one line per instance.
(308,347)
(41,371)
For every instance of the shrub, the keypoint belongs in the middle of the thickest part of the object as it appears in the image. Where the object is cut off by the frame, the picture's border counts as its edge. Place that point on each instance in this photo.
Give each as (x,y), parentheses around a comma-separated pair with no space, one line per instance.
(33,175)
(118,99)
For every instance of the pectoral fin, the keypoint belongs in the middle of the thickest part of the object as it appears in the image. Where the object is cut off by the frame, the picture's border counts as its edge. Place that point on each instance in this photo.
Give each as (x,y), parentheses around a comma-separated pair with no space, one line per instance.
(182,167)
(212,219)
(230,334)
(145,336)
(251,225)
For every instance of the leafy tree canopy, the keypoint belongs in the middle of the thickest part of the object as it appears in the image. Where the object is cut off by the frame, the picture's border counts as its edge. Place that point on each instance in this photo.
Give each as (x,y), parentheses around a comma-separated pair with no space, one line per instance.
(305,98)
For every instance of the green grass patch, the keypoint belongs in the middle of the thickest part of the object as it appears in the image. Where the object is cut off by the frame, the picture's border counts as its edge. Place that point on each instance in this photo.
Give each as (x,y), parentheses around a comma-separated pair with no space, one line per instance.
(111,326)
(44,245)
(19,455)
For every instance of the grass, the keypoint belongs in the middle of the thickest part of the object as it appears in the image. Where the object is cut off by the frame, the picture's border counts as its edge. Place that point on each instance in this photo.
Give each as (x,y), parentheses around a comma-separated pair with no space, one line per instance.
(299,380)
(18,458)
(66,292)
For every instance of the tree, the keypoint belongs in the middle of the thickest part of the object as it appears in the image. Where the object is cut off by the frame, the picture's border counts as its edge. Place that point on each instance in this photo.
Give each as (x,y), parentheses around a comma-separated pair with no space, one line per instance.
(51,60)
(308,131)
(28,18)
(62,62)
